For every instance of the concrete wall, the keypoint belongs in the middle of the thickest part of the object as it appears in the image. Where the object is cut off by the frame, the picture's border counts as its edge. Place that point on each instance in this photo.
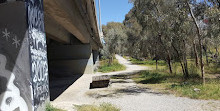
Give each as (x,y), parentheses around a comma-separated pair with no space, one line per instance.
(70,59)
(67,63)
(23,57)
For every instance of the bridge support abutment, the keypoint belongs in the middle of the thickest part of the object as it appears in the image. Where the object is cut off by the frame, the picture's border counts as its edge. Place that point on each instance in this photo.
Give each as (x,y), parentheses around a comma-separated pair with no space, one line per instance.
(67,63)
(23,57)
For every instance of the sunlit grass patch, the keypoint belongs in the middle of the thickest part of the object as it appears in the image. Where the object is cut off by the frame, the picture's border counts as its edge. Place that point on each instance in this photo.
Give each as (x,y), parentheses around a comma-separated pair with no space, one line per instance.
(147,62)
(101,107)
(106,67)
(211,90)
(175,84)
(50,107)
(213,68)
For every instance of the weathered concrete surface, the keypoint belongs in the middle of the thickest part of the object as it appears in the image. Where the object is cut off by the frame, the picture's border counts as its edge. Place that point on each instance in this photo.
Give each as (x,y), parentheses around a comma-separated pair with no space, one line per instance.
(100,81)
(56,31)
(127,95)
(79,88)
(70,59)
(69,52)
(75,17)
(67,63)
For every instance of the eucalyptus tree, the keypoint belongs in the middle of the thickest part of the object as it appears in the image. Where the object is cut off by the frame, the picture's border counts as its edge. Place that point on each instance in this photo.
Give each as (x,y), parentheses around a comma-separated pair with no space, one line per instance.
(213,18)
(166,29)
(116,39)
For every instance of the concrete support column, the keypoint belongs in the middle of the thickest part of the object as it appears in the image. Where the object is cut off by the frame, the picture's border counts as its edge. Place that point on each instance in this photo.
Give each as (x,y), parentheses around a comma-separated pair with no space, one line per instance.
(95,59)
(23,57)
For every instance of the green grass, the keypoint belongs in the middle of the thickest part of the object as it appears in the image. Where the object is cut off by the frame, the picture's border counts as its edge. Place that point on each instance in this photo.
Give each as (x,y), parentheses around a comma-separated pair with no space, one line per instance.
(115,66)
(49,107)
(147,62)
(162,81)
(211,90)
(102,107)
(176,85)
(213,68)
(150,63)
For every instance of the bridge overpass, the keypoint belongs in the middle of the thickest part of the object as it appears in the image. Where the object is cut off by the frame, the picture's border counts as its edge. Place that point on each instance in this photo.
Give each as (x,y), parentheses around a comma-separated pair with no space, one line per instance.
(44,47)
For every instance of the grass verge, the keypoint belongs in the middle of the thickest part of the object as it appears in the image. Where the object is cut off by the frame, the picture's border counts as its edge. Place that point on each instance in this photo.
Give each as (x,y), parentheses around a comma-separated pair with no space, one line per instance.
(115,66)
(147,62)
(102,107)
(50,107)
(192,87)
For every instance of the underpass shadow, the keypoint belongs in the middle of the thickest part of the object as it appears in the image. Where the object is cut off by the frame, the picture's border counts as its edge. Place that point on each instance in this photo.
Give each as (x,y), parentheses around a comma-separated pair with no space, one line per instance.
(59,84)
(67,63)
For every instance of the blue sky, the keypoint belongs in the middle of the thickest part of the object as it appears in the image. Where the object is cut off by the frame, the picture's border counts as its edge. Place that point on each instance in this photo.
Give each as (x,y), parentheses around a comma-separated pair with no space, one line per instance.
(113,10)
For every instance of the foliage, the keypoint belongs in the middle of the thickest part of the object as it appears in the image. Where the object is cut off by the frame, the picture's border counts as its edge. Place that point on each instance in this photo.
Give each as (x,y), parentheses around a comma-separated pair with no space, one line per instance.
(49,107)
(172,31)
(115,38)
(115,66)
(175,84)
(102,107)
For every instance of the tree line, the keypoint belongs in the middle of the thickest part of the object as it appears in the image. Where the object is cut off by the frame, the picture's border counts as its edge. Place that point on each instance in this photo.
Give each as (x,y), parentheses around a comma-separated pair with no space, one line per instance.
(169,30)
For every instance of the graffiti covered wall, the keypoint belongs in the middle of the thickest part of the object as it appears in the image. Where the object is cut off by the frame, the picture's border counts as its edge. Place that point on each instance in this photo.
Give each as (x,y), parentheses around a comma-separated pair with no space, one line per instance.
(23,57)
(38,53)
(15,90)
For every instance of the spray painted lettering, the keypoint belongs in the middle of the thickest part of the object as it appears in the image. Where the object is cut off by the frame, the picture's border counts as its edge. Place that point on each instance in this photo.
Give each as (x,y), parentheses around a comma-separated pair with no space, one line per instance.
(38,52)
(39,67)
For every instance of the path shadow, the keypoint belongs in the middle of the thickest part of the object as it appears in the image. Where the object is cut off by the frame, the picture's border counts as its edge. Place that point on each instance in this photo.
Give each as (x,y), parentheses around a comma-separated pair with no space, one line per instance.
(124,91)
(59,84)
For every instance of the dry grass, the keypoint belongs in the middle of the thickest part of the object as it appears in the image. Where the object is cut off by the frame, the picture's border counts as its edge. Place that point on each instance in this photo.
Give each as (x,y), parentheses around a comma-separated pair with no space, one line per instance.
(101,107)
(175,84)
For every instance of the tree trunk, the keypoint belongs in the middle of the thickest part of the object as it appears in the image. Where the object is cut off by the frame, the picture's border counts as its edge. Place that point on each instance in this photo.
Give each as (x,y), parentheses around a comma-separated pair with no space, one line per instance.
(179,58)
(156,64)
(110,60)
(169,64)
(168,55)
(216,49)
(186,74)
(206,55)
(196,54)
(182,67)
(200,41)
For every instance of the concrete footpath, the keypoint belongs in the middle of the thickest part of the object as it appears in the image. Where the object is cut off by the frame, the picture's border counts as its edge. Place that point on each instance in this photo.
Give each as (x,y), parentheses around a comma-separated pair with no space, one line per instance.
(127,95)
(75,94)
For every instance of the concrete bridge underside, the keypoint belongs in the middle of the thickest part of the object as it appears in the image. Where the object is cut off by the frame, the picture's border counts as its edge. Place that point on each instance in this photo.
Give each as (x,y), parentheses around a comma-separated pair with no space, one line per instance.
(59,39)
(73,41)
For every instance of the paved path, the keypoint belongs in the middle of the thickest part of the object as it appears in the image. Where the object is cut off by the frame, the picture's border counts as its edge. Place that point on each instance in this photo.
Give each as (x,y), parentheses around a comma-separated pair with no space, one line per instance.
(130,68)
(126,95)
